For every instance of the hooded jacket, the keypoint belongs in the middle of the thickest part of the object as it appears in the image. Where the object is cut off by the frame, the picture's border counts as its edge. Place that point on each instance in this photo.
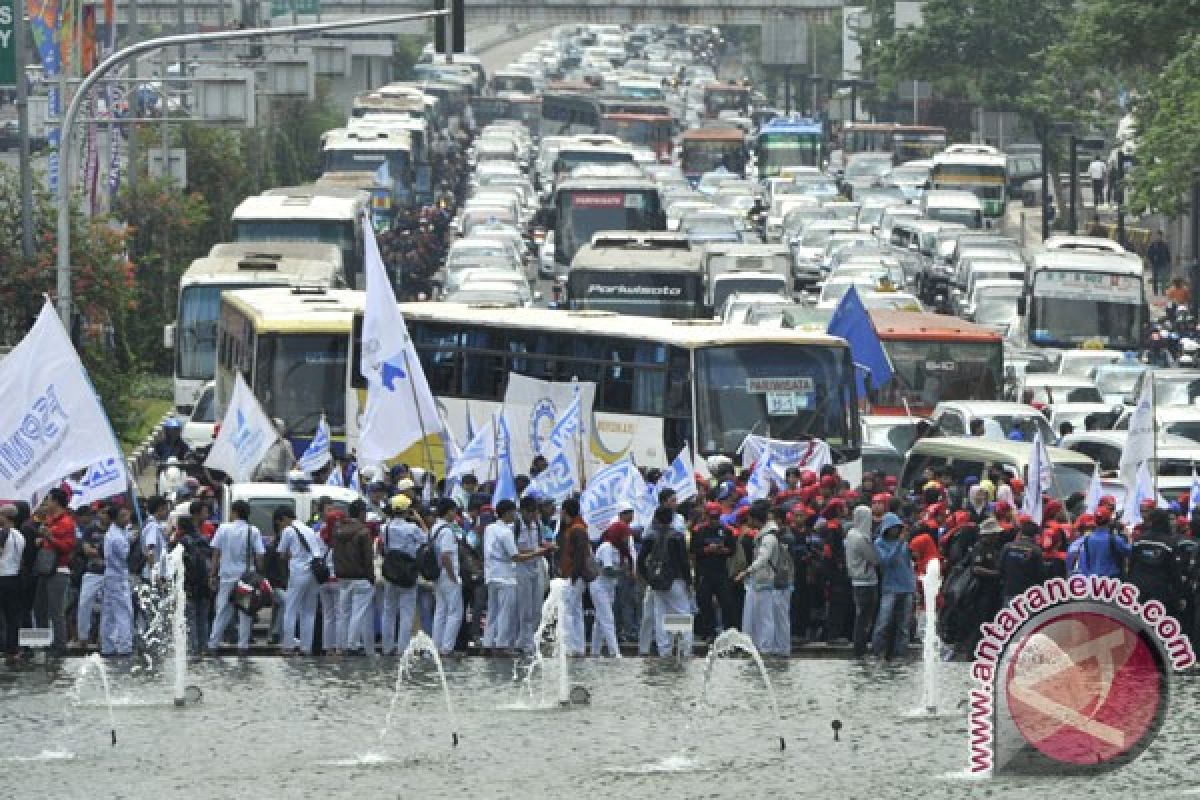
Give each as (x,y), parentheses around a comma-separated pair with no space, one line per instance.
(353,555)
(862,559)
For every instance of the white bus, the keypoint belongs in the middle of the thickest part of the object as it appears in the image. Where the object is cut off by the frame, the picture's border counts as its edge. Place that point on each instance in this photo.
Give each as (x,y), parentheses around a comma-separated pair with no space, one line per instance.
(979,169)
(1077,297)
(659,383)
(309,213)
(364,149)
(238,265)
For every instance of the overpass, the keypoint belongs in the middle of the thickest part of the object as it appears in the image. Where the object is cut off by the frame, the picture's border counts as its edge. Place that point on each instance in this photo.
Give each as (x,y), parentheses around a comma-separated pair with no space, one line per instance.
(540,13)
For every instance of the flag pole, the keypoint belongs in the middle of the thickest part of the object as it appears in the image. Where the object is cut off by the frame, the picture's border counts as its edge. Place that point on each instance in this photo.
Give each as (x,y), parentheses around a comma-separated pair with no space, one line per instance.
(420,419)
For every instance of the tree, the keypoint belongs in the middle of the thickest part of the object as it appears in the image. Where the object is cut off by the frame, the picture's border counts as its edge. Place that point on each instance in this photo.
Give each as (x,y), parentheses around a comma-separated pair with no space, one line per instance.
(986,49)
(102,286)
(1134,37)
(1168,113)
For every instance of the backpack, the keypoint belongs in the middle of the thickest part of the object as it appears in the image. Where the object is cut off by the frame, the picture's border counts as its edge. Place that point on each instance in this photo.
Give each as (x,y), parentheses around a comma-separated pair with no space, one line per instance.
(659,574)
(428,565)
(738,562)
(785,568)
(196,564)
(470,565)
(398,568)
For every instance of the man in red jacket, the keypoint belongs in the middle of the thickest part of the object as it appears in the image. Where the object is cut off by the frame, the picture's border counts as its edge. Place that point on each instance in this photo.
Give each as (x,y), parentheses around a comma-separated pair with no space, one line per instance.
(57,533)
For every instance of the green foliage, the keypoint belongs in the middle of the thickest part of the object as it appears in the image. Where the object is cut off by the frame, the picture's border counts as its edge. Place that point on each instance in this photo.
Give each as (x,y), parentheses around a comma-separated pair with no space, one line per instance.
(1168,113)
(408,51)
(1132,36)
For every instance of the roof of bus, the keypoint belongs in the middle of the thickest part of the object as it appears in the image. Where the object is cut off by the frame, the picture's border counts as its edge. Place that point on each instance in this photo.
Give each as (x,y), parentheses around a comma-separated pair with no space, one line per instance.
(891,126)
(922,325)
(970,158)
(287,310)
(639,256)
(1127,264)
(301,203)
(601,184)
(368,137)
(618,115)
(714,134)
(686,333)
(725,86)
(280,263)
(786,125)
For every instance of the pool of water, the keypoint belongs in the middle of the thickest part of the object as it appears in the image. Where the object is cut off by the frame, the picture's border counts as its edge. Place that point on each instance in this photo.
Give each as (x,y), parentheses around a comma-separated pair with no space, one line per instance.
(279,728)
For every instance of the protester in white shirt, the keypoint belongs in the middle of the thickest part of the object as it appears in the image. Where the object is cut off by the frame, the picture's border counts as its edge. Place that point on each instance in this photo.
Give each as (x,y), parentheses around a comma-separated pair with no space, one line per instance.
(300,546)
(12,546)
(404,534)
(232,544)
(500,556)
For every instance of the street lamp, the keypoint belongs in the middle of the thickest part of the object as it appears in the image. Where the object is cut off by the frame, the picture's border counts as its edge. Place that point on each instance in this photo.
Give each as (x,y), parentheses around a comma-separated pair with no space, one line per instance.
(63,270)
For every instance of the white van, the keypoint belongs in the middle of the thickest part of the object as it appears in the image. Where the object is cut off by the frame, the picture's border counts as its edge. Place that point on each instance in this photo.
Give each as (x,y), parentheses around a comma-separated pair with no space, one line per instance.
(966,457)
(953,206)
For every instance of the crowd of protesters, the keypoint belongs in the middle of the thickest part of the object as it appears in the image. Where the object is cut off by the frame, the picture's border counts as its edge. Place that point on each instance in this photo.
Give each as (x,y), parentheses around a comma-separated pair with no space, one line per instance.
(818,561)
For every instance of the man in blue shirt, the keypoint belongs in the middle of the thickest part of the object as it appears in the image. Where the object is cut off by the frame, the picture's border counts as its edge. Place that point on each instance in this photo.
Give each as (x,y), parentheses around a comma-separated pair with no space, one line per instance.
(1103,552)
(899,584)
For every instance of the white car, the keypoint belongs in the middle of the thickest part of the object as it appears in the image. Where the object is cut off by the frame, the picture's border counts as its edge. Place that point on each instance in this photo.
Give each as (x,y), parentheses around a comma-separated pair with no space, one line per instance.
(199,430)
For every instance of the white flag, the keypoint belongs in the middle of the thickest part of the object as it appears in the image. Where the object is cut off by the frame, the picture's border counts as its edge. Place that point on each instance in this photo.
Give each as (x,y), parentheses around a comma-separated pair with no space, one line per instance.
(1039,480)
(1143,490)
(335,477)
(1095,491)
(556,481)
(1139,444)
(812,454)
(51,422)
(476,458)
(246,435)
(1194,493)
(100,481)
(606,491)
(679,476)
(317,455)
(761,479)
(400,407)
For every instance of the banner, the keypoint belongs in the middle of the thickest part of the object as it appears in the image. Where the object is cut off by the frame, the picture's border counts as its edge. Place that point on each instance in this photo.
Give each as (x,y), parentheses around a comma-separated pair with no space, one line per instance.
(533,406)
(1038,481)
(812,454)
(246,435)
(87,40)
(400,409)
(317,455)
(46,26)
(68,33)
(51,422)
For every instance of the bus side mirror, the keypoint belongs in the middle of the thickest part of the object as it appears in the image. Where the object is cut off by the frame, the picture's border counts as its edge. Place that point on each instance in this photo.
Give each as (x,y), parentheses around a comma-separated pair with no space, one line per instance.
(169,336)
(1021,306)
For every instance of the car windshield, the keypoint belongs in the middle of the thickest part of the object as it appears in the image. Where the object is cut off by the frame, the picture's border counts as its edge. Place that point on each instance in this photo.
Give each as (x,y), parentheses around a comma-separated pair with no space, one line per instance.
(1176,391)
(865,168)
(996,308)
(1115,380)
(708,224)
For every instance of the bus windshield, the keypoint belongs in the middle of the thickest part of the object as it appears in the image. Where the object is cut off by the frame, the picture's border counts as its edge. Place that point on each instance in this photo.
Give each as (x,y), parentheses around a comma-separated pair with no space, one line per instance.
(705,156)
(913,146)
(801,391)
(196,332)
(582,213)
(298,377)
(776,150)
(1109,309)
(366,161)
(339,232)
(928,372)
(646,293)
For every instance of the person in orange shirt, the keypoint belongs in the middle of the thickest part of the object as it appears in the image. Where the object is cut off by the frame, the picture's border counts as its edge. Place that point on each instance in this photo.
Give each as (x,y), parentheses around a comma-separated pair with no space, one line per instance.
(1178,293)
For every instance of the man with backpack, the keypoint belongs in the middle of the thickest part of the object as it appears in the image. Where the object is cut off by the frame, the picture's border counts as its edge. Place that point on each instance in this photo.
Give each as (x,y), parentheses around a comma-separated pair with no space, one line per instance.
(400,539)
(1103,551)
(237,547)
(301,546)
(1021,565)
(663,564)
(197,558)
(448,613)
(1153,566)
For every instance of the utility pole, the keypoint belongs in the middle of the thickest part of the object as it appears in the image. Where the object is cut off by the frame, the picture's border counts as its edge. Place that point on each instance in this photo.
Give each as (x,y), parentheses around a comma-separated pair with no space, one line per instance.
(19,45)
(132,104)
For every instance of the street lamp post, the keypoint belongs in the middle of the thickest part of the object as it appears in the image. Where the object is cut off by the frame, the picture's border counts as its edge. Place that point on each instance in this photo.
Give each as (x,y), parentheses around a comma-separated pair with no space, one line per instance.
(63,271)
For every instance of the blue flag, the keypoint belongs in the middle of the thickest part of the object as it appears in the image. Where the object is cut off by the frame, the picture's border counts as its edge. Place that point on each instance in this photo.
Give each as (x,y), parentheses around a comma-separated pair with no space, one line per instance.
(852,322)
(317,454)
(506,483)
